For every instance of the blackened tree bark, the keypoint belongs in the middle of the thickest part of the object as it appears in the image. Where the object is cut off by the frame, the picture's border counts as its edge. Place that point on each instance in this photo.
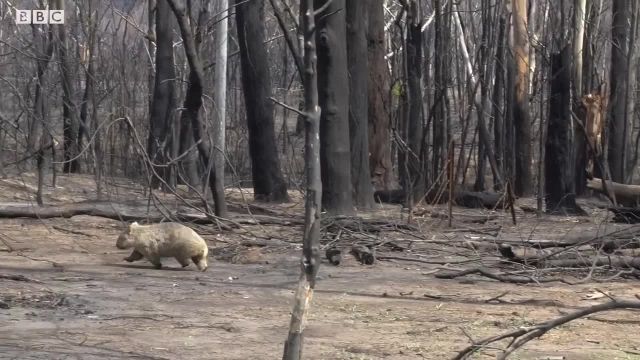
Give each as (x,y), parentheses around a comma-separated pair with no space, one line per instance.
(358,102)
(310,263)
(163,102)
(442,68)
(268,182)
(498,101)
(559,179)
(193,103)
(69,109)
(520,87)
(619,122)
(333,92)
(378,100)
(412,178)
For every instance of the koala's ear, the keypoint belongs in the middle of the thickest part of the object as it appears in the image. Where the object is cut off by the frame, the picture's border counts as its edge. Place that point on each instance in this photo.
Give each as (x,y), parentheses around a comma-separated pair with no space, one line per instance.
(133,225)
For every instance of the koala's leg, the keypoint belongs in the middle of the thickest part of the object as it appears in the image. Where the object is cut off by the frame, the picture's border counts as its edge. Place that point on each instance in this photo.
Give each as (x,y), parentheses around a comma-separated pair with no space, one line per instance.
(201,262)
(135,256)
(184,262)
(155,260)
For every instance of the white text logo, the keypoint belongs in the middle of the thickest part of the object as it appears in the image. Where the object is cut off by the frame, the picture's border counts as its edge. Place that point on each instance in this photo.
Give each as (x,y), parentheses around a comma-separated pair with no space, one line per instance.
(39,16)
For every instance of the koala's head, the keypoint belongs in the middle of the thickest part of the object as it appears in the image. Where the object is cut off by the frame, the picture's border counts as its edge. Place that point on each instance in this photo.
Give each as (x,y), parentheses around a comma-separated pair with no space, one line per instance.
(124,240)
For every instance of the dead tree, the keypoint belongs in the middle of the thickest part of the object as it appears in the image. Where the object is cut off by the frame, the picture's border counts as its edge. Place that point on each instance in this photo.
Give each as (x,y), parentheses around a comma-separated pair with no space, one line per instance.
(311,241)
(378,100)
(40,138)
(268,182)
(163,105)
(69,109)
(357,18)
(519,107)
(622,79)
(333,94)
(193,103)
(559,179)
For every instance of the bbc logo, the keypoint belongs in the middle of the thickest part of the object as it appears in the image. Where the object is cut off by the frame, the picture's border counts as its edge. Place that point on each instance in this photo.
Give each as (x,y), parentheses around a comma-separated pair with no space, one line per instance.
(39,16)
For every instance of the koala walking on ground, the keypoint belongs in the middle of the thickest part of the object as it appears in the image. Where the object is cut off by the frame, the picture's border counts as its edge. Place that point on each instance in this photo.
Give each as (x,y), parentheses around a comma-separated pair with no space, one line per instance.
(156,241)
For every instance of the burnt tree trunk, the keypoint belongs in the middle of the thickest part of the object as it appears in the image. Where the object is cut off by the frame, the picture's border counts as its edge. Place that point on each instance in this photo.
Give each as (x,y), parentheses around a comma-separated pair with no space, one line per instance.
(310,263)
(618,127)
(193,103)
(357,18)
(413,178)
(521,120)
(163,101)
(441,74)
(268,182)
(333,94)
(69,110)
(558,169)
(498,100)
(378,107)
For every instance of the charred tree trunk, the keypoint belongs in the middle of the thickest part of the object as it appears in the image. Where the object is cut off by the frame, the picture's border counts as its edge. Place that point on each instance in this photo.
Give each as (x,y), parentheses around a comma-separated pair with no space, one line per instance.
(579,16)
(378,96)
(333,92)
(413,179)
(163,101)
(193,103)
(558,170)
(441,75)
(498,102)
(520,87)
(357,19)
(69,110)
(39,135)
(618,124)
(268,182)
(313,202)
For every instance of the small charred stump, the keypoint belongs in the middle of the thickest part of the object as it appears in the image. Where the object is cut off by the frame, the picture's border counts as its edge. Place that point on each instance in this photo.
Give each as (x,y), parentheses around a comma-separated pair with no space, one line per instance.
(334,256)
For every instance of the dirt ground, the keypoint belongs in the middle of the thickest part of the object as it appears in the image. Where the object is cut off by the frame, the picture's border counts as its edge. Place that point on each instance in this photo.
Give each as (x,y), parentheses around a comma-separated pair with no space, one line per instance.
(82,301)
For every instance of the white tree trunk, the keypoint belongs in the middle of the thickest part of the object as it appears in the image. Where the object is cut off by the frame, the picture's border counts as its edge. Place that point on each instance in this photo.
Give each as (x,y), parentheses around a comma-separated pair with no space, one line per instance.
(580,9)
(220,88)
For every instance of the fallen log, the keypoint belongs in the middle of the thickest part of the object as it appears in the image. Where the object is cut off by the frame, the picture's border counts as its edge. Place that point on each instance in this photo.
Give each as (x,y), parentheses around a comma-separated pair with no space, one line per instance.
(626,195)
(469,199)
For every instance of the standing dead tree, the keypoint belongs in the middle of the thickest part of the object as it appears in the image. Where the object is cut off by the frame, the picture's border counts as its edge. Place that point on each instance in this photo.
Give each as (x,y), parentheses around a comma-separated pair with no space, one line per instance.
(163,101)
(333,94)
(311,241)
(268,182)
(193,103)
(69,108)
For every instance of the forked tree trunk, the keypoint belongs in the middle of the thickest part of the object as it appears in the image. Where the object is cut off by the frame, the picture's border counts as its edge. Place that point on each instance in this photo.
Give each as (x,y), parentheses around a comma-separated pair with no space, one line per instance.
(378,101)
(333,95)
(357,19)
(311,241)
(268,182)
(193,103)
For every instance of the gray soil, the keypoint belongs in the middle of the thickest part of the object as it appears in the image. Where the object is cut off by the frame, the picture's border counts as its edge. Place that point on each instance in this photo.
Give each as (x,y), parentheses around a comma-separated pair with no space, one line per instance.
(78,299)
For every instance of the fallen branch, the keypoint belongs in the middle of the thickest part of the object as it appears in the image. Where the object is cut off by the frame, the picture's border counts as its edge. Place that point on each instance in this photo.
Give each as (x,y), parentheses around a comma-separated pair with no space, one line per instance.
(523,335)
(515,279)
